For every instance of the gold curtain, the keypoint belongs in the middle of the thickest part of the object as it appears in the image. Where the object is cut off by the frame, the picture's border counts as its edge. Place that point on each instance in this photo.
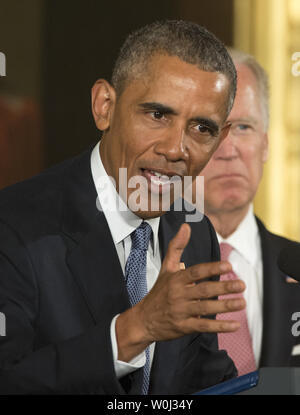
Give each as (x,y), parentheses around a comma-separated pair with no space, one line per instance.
(270,30)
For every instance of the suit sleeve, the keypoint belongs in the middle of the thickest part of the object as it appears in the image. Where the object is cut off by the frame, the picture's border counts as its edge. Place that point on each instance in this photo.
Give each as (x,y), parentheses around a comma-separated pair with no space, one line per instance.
(82,364)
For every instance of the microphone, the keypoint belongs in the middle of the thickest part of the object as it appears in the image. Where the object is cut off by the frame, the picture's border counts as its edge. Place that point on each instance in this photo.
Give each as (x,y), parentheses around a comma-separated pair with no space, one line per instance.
(289,261)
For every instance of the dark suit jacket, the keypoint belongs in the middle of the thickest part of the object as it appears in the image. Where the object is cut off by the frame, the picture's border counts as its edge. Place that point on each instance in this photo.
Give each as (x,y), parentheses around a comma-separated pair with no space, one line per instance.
(280,301)
(61,283)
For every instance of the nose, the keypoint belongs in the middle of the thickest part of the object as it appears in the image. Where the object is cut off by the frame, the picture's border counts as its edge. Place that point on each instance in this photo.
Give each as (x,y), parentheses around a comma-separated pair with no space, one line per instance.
(228,148)
(172,144)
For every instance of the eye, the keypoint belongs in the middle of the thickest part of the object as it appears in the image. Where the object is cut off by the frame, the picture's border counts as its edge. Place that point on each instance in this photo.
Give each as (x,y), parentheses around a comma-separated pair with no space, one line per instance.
(157,115)
(243,127)
(203,129)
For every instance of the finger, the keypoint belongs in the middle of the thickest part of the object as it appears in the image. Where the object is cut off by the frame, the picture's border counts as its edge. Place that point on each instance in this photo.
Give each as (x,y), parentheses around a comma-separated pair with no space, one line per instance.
(205,325)
(175,250)
(209,269)
(211,307)
(210,289)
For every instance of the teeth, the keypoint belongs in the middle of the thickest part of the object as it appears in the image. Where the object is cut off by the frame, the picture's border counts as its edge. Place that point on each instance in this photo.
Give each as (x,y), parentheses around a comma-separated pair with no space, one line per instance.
(161,176)
(160,180)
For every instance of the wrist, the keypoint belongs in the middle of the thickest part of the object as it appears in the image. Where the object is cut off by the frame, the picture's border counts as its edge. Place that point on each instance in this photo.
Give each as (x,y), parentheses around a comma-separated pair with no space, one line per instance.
(131,334)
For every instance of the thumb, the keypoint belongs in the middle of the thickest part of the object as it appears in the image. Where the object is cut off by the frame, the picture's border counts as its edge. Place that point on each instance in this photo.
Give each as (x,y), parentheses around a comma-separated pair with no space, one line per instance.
(176,247)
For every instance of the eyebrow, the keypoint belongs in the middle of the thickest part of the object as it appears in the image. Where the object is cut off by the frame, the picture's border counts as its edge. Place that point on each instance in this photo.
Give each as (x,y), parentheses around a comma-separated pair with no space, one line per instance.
(249,120)
(157,106)
(165,109)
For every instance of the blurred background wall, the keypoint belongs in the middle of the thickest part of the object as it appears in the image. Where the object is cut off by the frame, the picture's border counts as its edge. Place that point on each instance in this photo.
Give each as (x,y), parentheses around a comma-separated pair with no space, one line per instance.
(55,50)
(270,30)
(21,139)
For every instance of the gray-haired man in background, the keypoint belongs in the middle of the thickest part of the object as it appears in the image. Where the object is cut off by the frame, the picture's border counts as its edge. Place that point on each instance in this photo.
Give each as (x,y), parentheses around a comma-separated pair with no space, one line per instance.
(232,177)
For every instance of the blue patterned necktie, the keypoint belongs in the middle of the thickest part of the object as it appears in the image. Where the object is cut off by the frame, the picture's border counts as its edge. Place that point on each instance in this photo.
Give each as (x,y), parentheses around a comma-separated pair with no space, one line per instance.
(136,281)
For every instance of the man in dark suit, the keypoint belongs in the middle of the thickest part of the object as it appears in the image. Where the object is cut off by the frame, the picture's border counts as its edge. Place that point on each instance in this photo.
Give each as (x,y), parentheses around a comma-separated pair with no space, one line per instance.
(77,321)
(232,177)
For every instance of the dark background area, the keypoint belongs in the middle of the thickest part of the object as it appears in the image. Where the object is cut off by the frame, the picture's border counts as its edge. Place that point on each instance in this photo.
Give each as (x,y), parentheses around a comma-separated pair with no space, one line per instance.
(55,50)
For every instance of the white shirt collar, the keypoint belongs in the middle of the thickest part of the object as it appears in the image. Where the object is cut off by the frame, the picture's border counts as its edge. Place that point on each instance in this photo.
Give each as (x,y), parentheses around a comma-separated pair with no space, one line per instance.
(121,220)
(245,239)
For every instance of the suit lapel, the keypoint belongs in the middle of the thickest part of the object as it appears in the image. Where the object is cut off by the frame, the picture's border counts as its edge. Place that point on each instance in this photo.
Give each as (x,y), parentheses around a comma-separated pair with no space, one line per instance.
(273,327)
(92,257)
(95,265)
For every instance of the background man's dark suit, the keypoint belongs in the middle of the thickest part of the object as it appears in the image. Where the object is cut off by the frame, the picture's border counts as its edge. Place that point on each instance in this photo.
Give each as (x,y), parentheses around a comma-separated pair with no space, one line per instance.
(280,301)
(61,283)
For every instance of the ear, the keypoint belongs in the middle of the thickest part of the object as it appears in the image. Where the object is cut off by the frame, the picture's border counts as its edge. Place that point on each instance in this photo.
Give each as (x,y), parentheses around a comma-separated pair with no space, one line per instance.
(265,153)
(103,102)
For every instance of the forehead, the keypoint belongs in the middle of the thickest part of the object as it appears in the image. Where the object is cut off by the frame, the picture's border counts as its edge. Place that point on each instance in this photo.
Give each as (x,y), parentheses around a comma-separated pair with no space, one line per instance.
(247,100)
(176,83)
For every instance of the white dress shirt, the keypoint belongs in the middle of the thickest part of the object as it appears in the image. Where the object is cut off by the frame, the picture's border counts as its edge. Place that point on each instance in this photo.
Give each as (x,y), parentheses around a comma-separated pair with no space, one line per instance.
(122,222)
(246,260)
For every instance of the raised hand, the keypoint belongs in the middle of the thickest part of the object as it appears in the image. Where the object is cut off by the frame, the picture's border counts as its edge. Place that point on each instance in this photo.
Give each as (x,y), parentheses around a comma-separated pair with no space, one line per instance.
(179,302)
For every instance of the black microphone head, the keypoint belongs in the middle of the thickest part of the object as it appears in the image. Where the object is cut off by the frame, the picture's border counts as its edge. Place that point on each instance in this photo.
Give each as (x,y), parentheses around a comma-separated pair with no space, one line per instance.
(289,260)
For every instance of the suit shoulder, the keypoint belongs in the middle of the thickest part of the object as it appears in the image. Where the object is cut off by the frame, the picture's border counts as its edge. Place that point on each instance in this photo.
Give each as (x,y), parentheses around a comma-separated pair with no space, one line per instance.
(273,239)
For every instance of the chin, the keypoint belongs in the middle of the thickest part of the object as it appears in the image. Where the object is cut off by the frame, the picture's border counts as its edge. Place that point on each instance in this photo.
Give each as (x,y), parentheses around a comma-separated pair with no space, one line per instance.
(148,214)
(233,204)
(227,204)
(151,206)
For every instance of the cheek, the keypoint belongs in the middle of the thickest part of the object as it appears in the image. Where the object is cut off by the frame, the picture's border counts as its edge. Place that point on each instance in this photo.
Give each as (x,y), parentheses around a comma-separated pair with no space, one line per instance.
(139,135)
(210,169)
(253,162)
(202,161)
(132,141)
(200,149)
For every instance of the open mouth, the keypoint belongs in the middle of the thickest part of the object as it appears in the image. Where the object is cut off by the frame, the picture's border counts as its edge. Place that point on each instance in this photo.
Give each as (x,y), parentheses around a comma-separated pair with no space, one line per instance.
(159,178)
(156,177)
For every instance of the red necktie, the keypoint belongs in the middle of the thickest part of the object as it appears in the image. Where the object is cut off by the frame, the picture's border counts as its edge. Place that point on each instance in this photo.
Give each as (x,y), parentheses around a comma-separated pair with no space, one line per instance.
(238,344)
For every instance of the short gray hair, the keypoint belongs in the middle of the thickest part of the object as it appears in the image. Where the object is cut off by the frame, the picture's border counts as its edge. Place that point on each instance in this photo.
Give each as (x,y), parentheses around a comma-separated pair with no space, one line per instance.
(261,76)
(188,41)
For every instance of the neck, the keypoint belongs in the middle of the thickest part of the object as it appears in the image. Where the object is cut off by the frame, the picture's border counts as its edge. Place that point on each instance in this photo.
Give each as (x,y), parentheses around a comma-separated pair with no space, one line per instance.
(226,222)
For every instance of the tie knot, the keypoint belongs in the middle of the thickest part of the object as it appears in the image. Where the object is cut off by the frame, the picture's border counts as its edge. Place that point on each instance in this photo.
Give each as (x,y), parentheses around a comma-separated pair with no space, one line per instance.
(225,249)
(141,237)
